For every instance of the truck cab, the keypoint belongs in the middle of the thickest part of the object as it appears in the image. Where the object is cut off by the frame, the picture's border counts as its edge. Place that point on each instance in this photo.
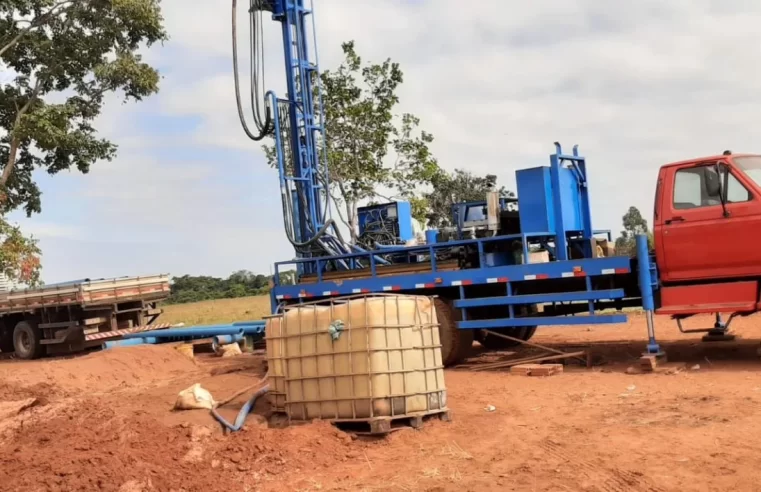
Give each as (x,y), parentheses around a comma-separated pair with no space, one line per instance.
(707,223)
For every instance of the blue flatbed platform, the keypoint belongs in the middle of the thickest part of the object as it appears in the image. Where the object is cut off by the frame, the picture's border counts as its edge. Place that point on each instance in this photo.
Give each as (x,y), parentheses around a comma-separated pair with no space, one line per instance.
(500,283)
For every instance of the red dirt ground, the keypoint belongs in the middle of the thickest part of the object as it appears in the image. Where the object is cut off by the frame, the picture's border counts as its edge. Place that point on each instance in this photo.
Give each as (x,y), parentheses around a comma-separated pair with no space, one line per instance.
(104,421)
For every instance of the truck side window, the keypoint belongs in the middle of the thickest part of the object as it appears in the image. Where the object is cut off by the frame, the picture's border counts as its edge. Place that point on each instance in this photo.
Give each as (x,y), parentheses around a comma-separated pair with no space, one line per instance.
(734,190)
(689,188)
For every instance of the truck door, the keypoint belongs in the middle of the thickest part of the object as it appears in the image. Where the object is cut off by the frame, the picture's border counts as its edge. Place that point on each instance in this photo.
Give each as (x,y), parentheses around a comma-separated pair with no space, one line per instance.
(701,239)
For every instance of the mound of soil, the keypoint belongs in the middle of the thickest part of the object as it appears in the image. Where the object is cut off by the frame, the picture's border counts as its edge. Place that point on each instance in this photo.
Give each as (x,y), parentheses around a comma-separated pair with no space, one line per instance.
(95,372)
(92,446)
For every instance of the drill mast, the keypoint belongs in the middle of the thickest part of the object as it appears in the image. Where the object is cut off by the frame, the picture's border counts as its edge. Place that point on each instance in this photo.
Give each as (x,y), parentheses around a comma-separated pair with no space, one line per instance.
(297,125)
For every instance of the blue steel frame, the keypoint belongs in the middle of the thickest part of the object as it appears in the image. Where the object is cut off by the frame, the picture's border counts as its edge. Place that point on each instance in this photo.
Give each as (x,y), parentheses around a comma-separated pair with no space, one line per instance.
(434,280)
(507,275)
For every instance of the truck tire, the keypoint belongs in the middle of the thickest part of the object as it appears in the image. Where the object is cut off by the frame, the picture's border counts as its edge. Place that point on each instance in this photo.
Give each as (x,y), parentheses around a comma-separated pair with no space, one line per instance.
(455,344)
(497,343)
(26,341)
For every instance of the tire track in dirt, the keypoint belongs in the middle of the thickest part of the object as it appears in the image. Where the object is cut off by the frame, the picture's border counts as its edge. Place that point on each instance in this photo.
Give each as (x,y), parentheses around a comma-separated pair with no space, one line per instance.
(604,480)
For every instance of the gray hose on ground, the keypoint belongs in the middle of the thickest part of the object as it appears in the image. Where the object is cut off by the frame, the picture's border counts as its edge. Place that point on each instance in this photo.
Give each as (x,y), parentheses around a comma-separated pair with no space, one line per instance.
(244,411)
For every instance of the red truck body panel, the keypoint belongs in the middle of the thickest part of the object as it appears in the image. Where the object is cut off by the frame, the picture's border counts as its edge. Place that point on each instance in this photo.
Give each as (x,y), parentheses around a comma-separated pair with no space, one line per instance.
(699,248)
(729,297)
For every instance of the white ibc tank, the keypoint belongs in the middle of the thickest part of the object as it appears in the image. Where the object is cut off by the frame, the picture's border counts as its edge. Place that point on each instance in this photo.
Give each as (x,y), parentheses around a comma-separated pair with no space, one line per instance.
(276,375)
(358,358)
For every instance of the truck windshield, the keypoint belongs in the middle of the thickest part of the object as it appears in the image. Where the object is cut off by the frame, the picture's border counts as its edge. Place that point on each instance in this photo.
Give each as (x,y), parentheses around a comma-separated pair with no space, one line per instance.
(751,166)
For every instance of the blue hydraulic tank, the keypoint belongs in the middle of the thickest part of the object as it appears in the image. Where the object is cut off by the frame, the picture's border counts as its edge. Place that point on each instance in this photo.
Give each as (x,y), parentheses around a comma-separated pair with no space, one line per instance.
(554,200)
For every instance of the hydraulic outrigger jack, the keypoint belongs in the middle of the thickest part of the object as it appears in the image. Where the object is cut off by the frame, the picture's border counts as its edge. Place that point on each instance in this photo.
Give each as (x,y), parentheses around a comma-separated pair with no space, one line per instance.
(719,332)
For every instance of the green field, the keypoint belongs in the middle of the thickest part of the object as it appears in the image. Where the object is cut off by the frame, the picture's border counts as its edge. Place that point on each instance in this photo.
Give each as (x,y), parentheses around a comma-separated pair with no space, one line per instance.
(218,311)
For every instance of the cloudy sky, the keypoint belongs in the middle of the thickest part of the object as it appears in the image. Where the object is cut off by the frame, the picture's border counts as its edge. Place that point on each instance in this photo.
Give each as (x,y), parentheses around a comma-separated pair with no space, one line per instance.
(635,84)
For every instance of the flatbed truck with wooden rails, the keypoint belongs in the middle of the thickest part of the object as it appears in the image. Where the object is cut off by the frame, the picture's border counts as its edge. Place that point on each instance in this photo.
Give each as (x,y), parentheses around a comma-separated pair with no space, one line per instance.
(73,316)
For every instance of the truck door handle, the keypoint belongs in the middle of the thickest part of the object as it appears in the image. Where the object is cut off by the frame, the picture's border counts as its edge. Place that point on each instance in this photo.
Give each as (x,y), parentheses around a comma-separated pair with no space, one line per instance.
(677,218)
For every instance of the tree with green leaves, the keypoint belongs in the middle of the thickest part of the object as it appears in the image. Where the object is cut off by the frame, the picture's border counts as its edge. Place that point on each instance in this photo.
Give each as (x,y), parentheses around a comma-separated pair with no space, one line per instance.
(634,224)
(63,57)
(457,187)
(369,145)
(187,288)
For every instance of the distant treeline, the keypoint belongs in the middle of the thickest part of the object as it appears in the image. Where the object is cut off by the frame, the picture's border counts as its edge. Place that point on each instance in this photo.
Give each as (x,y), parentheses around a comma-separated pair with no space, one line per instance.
(188,288)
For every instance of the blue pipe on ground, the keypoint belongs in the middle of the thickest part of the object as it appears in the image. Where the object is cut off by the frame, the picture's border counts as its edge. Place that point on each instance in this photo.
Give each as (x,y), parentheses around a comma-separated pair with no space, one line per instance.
(245,327)
(253,329)
(130,342)
(199,331)
(225,340)
(244,411)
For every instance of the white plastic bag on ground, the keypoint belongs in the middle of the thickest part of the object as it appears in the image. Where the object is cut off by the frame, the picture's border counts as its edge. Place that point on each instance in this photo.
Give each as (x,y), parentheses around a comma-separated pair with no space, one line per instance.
(193,398)
(229,350)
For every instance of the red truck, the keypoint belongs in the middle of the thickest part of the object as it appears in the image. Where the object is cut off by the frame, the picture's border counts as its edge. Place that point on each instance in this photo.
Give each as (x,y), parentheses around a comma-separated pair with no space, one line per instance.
(707,223)
(73,316)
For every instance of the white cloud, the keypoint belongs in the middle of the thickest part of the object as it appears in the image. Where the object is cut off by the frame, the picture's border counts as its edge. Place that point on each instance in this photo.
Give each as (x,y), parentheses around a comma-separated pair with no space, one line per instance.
(636,84)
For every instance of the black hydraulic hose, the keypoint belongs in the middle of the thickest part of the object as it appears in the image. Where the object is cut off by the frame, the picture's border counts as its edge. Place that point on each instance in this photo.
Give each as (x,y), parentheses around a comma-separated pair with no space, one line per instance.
(263,129)
(256,56)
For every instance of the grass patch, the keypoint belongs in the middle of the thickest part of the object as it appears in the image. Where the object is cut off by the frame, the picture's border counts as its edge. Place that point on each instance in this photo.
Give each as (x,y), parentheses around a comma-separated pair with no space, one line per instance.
(217,311)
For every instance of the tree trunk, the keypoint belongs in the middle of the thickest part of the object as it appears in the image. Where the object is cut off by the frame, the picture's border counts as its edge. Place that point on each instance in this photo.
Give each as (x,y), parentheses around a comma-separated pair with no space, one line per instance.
(351,214)
(8,169)
(15,143)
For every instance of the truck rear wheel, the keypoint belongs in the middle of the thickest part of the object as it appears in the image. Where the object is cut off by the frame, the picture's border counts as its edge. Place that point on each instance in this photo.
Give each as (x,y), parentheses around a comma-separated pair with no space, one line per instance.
(455,344)
(26,341)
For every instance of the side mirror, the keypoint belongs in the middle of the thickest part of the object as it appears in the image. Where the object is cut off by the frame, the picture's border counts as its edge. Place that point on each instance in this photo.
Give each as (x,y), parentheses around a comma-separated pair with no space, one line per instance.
(713,183)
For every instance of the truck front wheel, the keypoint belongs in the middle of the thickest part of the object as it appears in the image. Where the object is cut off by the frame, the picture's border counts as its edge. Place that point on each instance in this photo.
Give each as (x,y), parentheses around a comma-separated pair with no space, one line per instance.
(26,341)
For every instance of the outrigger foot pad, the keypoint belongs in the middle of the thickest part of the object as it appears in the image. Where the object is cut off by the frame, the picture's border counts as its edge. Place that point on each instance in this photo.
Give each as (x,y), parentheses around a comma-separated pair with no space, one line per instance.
(718,336)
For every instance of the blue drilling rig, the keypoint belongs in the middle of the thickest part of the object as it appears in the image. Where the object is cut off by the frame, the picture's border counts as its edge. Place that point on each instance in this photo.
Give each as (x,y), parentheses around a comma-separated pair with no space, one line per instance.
(486,276)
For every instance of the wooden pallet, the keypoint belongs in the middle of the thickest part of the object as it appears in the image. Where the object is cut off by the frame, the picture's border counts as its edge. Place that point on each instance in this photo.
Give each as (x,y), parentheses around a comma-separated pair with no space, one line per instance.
(377,426)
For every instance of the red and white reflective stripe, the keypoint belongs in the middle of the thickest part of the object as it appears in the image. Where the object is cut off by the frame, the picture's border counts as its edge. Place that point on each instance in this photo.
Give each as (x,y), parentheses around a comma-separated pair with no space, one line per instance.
(498,280)
(330,293)
(457,283)
(538,276)
(574,274)
(391,287)
(360,291)
(425,286)
(305,294)
(127,331)
(613,271)
(281,297)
